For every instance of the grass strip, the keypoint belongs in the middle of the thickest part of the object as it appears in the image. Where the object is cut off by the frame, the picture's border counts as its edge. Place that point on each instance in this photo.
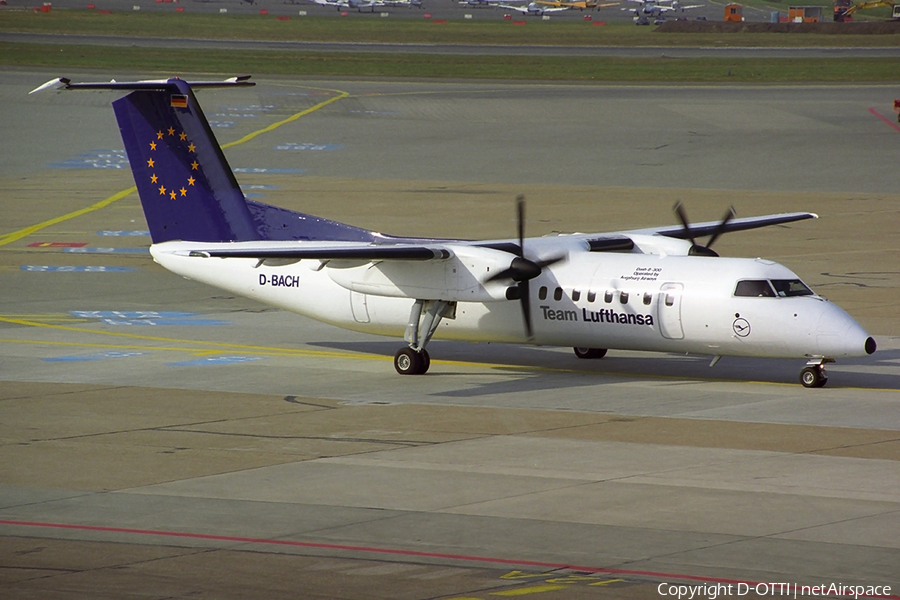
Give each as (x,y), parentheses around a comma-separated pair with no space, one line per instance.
(166,62)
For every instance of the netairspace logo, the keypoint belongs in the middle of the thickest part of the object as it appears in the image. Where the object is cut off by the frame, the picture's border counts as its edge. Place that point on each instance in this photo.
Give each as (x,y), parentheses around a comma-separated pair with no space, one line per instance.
(792,590)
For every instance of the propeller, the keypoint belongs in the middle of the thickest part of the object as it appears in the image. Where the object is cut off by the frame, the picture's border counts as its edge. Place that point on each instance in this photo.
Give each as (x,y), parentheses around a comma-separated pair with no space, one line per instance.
(522,270)
(696,249)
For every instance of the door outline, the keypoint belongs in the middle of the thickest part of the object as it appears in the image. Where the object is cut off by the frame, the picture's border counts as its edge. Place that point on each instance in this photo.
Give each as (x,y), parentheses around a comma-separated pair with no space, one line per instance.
(669,311)
(359,307)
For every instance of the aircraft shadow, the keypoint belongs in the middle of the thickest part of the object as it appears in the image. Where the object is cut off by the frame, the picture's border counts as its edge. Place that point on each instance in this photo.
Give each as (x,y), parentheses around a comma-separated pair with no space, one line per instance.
(558,367)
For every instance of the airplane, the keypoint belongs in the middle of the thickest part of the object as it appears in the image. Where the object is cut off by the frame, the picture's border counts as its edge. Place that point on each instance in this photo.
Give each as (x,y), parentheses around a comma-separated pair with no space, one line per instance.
(532,8)
(580,4)
(402,3)
(657,9)
(358,5)
(485,3)
(655,289)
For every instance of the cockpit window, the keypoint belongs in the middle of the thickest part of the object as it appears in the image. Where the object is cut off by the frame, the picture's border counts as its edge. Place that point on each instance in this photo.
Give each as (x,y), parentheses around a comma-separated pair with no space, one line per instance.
(758,288)
(791,287)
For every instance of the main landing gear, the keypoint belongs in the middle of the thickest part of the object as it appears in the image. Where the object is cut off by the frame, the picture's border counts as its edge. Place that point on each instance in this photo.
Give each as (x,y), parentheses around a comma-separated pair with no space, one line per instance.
(814,375)
(424,319)
(409,362)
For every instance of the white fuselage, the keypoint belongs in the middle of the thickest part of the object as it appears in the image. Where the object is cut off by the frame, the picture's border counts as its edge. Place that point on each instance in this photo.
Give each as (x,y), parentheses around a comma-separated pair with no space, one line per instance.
(627,301)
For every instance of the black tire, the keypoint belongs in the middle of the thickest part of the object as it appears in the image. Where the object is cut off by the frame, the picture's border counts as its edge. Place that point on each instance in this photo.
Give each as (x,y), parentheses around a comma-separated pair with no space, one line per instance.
(813,377)
(590,353)
(409,362)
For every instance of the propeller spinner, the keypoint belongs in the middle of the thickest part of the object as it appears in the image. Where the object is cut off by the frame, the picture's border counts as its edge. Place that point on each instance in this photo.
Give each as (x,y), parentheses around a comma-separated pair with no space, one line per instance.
(522,270)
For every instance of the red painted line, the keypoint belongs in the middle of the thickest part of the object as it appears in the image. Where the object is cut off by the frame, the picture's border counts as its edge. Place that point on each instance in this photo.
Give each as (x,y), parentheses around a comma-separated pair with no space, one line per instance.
(885,119)
(389,551)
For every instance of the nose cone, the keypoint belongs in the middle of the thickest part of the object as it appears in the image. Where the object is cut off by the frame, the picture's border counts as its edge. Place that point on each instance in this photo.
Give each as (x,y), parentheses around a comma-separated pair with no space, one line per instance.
(840,335)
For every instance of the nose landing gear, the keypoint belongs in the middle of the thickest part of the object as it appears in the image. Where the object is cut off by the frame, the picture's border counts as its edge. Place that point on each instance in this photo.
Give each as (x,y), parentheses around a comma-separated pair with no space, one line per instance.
(814,375)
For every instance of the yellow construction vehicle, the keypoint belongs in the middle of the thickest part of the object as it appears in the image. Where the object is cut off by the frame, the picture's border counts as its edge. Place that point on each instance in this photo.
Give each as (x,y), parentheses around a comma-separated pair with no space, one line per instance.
(846,14)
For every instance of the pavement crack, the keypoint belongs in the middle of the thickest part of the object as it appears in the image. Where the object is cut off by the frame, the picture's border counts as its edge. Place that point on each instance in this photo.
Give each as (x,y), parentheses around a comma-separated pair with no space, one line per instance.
(301,437)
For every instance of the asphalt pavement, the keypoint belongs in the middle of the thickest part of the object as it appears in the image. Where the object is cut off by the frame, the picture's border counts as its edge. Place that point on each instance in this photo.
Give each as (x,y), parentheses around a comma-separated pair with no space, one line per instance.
(159,438)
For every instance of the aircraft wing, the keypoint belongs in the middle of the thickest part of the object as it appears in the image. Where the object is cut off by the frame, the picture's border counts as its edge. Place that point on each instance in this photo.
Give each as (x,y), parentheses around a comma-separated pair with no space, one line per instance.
(326,251)
(521,9)
(711,227)
(407,249)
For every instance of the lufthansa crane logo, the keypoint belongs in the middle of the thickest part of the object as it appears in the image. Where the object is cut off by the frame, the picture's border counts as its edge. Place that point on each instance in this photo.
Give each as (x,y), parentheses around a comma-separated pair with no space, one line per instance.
(741,327)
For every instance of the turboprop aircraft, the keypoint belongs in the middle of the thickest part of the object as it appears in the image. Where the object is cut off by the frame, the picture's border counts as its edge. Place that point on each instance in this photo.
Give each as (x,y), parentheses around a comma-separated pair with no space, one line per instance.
(657,9)
(655,289)
(533,8)
(358,5)
(582,4)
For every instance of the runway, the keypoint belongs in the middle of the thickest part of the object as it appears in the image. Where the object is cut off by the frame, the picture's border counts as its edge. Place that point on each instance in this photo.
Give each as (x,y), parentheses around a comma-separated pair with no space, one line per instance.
(164,439)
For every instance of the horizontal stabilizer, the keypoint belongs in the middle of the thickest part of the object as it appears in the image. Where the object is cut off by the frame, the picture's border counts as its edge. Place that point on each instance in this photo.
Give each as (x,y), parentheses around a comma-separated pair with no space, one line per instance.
(62,83)
(187,189)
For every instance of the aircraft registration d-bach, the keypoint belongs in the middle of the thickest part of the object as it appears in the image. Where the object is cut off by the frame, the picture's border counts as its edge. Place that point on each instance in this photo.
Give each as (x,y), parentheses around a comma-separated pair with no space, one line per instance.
(653,289)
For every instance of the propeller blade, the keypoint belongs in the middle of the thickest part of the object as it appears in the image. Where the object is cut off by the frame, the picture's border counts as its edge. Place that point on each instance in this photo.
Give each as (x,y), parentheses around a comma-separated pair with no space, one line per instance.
(682,216)
(520,216)
(525,300)
(551,261)
(522,270)
(721,229)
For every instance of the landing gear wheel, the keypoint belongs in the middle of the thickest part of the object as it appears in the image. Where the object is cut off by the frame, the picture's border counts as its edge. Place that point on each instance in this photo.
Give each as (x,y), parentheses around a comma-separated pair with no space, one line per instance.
(409,362)
(813,377)
(590,352)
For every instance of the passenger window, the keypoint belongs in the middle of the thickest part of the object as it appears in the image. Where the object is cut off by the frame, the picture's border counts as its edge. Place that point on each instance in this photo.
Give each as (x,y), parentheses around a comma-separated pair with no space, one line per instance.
(557,294)
(623,297)
(607,297)
(576,295)
(648,298)
(592,295)
(758,288)
(542,293)
(670,299)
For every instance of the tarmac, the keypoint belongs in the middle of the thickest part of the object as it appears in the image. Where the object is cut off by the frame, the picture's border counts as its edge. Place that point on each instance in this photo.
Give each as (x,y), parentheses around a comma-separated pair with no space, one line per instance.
(162,439)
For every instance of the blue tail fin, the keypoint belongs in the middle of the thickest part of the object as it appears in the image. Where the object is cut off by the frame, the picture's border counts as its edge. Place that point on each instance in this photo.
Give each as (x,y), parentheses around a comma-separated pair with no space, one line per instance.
(186,187)
(185,184)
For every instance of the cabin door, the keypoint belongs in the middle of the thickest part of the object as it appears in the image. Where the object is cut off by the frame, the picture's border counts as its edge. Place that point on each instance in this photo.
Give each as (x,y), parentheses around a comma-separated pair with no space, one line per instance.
(670,311)
(358,305)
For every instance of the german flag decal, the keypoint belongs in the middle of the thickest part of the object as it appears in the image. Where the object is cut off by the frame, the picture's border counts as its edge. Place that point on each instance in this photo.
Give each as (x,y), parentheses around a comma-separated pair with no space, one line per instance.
(178,101)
